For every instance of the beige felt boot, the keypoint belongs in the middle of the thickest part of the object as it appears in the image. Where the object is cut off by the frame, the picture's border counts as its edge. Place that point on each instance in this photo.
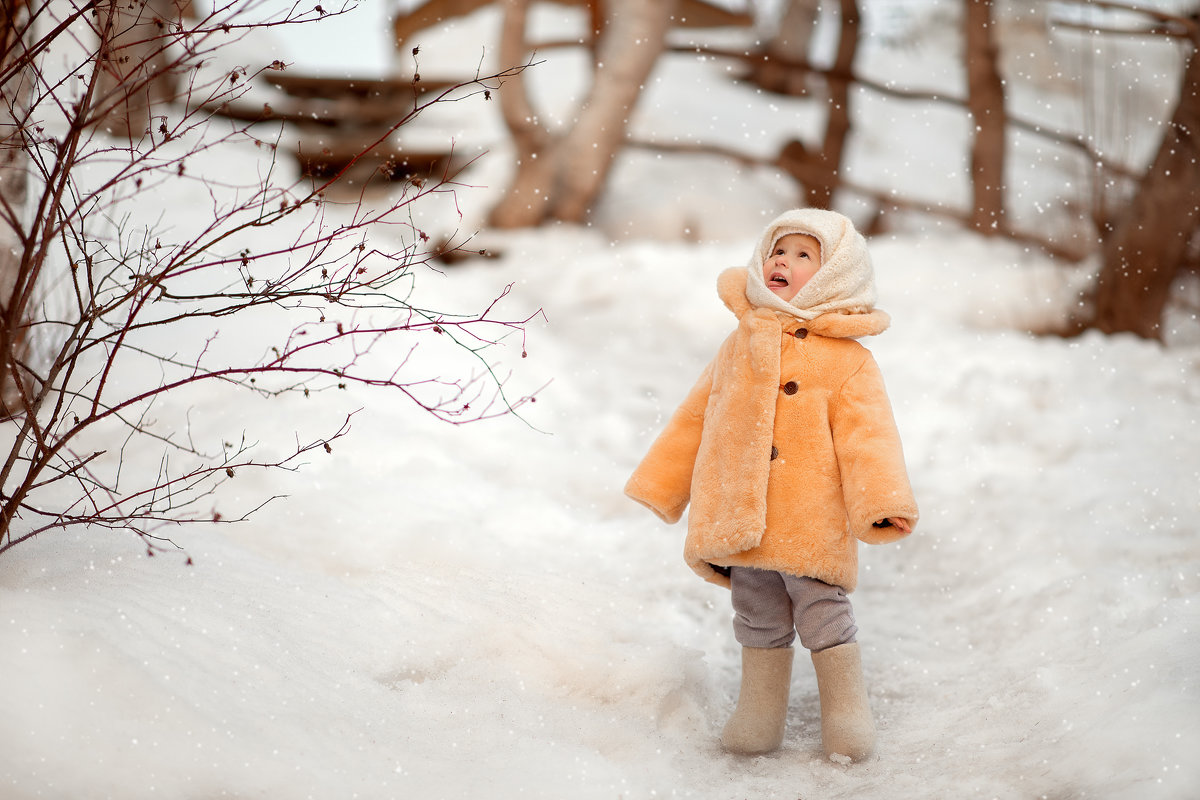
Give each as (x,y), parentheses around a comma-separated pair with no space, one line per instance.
(847,728)
(758,722)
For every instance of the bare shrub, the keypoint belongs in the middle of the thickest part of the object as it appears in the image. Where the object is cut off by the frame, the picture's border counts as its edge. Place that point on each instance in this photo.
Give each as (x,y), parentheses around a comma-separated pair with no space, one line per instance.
(166,256)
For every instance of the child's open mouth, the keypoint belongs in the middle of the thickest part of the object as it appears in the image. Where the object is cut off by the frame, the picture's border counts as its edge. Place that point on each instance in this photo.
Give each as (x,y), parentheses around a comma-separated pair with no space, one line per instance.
(777,281)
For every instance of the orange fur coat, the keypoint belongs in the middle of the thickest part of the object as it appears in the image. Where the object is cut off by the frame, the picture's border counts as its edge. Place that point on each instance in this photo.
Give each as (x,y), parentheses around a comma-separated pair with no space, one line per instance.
(786,465)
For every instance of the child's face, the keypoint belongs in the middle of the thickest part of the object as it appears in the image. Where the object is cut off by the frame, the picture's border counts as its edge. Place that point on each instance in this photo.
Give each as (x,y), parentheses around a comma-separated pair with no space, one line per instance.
(795,259)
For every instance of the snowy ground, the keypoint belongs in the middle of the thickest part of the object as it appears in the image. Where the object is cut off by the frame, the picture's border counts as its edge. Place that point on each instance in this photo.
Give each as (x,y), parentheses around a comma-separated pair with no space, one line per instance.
(442,612)
(456,612)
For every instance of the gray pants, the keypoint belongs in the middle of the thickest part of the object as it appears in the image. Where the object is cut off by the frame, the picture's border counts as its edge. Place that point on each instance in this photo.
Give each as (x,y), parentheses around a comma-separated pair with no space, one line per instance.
(770,608)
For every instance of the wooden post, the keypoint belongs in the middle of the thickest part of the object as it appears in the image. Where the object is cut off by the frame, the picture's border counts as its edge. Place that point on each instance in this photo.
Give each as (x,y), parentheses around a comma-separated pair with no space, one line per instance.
(818,192)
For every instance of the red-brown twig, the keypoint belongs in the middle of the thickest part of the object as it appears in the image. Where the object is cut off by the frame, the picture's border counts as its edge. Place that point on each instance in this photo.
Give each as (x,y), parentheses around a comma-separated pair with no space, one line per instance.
(115,303)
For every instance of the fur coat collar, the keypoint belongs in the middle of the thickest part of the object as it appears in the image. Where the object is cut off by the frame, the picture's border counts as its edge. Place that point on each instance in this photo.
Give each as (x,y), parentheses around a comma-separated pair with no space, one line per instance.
(732,286)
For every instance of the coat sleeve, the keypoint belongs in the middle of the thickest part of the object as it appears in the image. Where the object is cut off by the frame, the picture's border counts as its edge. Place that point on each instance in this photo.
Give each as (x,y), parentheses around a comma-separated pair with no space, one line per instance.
(663,480)
(871,460)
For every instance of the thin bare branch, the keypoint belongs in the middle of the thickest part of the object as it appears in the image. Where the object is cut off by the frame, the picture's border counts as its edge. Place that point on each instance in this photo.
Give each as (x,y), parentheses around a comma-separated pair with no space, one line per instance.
(108,270)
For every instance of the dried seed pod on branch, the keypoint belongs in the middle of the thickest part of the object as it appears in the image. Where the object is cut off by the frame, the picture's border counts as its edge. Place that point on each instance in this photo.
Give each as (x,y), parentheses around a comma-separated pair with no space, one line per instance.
(152,272)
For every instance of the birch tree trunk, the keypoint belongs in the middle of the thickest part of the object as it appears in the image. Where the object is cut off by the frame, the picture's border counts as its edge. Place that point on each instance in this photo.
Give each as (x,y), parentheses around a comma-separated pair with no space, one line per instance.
(560,176)
(791,43)
(634,36)
(524,204)
(1149,246)
(985,102)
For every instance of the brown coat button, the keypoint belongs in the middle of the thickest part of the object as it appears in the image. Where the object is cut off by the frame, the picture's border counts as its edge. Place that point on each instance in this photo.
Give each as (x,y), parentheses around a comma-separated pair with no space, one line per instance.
(791,387)
(801,333)
(774,452)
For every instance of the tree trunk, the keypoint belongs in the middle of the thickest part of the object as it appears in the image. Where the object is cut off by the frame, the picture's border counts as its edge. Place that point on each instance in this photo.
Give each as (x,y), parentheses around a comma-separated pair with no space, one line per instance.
(791,43)
(633,39)
(524,204)
(559,177)
(985,101)
(13,191)
(1149,246)
(818,192)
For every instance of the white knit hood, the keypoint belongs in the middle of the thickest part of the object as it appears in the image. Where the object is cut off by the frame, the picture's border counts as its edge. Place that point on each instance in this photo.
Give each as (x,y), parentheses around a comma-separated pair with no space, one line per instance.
(845,282)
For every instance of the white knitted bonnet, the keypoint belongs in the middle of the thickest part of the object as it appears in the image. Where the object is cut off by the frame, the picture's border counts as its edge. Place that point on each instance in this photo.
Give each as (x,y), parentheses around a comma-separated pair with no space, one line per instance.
(846,280)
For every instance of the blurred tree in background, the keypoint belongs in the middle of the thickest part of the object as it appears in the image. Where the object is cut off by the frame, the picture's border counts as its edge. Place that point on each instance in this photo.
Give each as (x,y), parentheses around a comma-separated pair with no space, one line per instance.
(1145,235)
(560,175)
(1155,237)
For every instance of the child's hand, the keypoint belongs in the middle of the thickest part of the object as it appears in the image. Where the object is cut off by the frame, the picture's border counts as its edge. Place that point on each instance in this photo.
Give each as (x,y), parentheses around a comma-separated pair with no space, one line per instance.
(899,523)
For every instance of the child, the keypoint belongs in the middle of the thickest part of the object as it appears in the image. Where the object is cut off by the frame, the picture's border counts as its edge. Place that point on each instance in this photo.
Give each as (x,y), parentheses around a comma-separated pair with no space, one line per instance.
(788,452)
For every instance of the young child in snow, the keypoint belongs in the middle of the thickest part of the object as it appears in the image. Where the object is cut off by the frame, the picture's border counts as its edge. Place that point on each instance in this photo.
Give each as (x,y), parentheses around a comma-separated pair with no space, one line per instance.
(787,450)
